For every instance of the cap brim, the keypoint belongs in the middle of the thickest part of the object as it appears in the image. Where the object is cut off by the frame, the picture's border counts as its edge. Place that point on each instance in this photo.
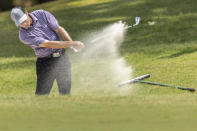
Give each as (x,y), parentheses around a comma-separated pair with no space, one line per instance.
(21,20)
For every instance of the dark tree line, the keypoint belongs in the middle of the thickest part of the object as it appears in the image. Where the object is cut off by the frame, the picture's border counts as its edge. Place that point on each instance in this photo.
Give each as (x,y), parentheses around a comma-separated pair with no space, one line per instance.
(8,4)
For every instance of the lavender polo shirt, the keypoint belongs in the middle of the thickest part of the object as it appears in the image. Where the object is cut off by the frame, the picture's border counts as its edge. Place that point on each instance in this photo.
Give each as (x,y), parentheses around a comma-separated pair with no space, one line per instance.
(43,28)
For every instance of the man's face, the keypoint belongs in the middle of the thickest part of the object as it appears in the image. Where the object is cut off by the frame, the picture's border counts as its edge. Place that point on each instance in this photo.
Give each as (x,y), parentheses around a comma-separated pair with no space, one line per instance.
(26,24)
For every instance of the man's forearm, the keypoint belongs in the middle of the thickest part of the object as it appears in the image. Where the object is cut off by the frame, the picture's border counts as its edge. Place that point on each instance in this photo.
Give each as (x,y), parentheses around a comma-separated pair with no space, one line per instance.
(67,41)
(63,34)
(58,44)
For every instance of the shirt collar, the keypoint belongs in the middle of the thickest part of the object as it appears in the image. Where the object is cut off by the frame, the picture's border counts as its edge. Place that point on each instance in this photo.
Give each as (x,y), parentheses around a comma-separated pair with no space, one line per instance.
(33,17)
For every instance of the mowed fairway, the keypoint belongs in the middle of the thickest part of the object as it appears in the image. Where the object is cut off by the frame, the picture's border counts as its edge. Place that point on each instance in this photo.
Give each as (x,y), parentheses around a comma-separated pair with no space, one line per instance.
(165,50)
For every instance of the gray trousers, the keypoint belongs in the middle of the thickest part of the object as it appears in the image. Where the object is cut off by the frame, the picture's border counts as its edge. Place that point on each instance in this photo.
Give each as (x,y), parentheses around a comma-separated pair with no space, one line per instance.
(49,69)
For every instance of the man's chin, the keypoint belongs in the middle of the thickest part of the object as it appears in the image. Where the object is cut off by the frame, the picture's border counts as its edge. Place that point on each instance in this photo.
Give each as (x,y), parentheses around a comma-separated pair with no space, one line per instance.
(26,27)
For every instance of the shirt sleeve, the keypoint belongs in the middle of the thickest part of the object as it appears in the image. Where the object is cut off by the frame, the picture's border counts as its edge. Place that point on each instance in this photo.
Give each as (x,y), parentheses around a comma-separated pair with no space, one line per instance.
(51,20)
(32,41)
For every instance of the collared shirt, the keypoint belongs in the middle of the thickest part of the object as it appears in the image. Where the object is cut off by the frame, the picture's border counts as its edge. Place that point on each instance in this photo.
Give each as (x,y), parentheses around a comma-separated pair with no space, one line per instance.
(42,29)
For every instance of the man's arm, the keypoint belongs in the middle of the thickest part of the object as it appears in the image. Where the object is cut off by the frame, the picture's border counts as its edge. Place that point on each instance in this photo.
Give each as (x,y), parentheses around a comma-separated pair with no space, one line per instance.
(66,43)
(61,44)
(66,37)
(63,34)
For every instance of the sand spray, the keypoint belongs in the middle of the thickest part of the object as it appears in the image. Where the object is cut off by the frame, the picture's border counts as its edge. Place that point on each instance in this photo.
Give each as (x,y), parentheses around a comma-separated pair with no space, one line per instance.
(98,68)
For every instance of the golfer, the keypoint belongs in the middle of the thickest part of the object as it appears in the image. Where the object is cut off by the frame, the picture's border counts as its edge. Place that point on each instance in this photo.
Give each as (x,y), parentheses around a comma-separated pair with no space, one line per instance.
(40,30)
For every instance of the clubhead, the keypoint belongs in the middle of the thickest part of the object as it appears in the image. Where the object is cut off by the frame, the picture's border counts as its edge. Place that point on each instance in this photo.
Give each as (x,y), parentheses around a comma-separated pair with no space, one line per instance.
(137,21)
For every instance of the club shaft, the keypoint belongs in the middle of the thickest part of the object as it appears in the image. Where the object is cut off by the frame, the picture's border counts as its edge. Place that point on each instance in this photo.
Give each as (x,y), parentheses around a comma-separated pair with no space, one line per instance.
(165,85)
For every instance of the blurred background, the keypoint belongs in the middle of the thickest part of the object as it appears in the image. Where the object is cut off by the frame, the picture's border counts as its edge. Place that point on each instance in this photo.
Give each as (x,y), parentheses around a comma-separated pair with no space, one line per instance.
(8,4)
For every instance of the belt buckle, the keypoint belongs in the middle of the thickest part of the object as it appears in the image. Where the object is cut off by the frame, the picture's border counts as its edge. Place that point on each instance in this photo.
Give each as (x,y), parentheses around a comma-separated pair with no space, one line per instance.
(56,54)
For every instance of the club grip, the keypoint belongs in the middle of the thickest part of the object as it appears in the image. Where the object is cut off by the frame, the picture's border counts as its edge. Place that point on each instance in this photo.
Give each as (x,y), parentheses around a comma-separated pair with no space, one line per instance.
(189,89)
(134,80)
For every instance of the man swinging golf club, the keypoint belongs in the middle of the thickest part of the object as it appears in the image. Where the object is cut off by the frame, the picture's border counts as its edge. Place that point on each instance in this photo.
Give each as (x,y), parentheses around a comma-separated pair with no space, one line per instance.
(41,31)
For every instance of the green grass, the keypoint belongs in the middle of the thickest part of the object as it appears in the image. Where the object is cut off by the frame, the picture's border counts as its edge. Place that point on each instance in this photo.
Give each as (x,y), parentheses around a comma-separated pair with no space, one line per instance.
(166,50)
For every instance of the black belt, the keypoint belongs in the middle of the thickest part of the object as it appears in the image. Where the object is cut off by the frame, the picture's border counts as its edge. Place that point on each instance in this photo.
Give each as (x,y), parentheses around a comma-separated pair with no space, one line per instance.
(56,54)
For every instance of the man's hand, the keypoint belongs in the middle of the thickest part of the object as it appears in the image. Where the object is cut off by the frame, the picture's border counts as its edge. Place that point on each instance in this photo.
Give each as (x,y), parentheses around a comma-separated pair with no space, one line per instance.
(78,45)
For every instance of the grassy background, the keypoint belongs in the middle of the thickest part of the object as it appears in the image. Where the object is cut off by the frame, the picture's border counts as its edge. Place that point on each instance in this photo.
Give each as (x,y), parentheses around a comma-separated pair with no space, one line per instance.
(166,50)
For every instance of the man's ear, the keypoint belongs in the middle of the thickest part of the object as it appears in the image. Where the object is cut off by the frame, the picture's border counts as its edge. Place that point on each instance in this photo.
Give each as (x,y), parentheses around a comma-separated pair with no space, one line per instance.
(26,12)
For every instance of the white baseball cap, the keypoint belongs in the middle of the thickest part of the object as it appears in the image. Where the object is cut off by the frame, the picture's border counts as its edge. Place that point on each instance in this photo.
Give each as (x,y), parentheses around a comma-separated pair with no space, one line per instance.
(18,15)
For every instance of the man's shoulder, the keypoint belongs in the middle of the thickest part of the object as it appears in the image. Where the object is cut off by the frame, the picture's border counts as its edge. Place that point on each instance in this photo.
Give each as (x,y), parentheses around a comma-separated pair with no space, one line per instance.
(38,12)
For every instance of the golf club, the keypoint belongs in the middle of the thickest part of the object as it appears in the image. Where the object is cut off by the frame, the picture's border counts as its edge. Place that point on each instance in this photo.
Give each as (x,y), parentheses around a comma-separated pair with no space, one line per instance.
(137,21)
(139,80)
(75,50)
